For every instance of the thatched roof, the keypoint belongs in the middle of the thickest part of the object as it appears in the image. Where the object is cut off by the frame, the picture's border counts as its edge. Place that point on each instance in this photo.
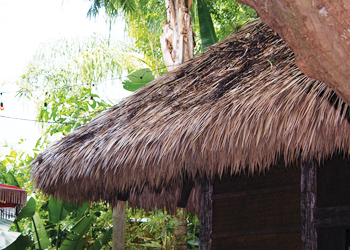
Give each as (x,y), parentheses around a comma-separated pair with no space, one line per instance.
(11,196)
(240,106)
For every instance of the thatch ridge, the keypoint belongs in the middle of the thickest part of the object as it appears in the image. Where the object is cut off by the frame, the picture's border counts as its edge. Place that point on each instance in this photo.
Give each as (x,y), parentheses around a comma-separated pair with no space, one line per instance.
(240,106)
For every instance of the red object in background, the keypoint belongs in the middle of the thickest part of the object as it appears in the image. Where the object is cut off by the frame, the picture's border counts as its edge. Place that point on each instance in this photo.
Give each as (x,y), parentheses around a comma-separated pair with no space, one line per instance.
(11,196)
(2,106)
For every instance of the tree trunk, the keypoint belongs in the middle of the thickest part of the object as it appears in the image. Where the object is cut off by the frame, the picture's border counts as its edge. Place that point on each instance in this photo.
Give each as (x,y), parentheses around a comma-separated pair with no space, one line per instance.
(119,226)
(177,39)
(318,32)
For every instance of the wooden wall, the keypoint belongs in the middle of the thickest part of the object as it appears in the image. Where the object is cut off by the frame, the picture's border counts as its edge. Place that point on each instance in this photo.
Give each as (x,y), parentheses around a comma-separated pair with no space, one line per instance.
(258,212)
(332,213)
(305,206)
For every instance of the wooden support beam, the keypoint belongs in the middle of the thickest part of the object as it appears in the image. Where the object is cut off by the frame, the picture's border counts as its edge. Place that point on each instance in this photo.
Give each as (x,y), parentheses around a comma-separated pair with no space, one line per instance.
(279,230)
(205,214)
(119,212)
(256,192)
(308,204)
(332,217)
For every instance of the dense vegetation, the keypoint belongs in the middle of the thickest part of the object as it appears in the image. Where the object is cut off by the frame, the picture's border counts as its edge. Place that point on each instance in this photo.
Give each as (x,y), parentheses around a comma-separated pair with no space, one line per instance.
(64,79)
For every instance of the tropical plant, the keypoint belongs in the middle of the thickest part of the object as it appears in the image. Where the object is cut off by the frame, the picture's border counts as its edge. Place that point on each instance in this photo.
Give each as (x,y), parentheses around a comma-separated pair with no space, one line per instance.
(146,20)
(63,77)
(229,16)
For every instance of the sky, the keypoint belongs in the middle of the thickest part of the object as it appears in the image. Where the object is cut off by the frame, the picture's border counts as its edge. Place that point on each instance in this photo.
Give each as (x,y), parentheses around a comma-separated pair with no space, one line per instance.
(24,25)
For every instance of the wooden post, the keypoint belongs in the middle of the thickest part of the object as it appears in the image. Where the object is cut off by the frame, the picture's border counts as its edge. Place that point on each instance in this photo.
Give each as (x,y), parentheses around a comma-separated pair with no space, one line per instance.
(181,231)
(205,215)
(308,204)
(119,226)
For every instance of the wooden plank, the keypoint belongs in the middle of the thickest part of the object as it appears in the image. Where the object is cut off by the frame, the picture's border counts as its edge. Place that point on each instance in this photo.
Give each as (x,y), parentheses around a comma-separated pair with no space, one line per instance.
(308,201)
(331,239)
(332,217)
(256,192)
(205,215)
(119,226)
(280,230)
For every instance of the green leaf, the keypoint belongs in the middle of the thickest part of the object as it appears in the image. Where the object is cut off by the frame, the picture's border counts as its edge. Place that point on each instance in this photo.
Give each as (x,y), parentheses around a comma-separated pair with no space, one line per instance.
(137,79)
(11,180)
(56,210)
(103,240)
(75,239)
(69,206)
(54,113)
(79,208)
(22,242)
(193,243)
(5,225)
(93,105)
(7,238)
(28,210)
(206,26)
(39,235)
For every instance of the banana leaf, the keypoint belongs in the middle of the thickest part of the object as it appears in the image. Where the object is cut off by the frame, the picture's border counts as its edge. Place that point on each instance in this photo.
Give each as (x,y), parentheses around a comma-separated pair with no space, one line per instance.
(57,212)
(75,239)
(28,210)
(206,26)
(41,239)
(78,208)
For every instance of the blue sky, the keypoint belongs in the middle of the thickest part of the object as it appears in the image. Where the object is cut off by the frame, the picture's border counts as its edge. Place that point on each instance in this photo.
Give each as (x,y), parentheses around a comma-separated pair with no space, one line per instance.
(23,26)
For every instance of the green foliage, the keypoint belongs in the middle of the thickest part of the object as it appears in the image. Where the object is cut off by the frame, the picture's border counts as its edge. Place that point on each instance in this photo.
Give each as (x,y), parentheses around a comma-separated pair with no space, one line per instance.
(22,242)
(62,78)
(77,225)
(103,240)
(207,31)
(157,230)
(15,170)
(145,19)
(228,16)
(112,7)
(41,240)
(7,238)
(144,25)
(11,180)
(57,212)
(78,209)
(138,79)
(28,210)
(75,239)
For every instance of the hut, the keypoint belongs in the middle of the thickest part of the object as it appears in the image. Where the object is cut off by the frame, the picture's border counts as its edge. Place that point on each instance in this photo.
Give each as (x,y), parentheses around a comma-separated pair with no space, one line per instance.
(238,134)
(12,199)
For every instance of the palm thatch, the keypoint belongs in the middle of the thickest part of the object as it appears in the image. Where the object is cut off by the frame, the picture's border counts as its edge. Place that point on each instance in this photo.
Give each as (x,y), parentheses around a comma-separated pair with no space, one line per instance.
(240,106)
(11,196)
